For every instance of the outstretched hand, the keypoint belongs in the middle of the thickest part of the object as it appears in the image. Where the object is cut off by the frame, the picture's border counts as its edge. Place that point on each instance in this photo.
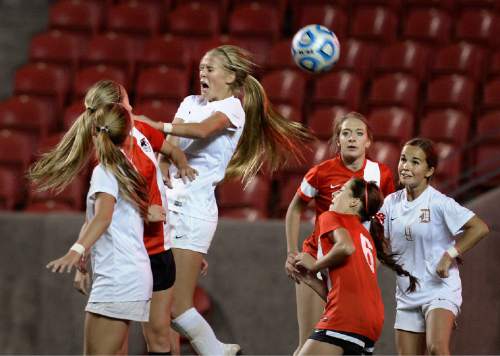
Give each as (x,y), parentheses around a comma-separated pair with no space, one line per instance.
(186,173)
(65,263)
(444,265)
(81,282)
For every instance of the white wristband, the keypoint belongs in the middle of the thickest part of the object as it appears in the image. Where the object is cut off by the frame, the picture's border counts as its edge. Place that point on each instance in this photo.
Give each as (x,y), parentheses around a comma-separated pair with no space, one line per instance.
(167,127)
(453,252)
(78,248)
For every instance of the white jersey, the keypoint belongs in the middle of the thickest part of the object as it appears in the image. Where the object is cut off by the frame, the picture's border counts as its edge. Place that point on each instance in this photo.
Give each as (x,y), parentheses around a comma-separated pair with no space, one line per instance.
(209,156)
(420,231)
(120,264)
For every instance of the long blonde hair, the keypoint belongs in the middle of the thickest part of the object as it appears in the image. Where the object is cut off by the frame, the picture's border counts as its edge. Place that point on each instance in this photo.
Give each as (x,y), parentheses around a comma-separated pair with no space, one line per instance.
(267,135)
(111,125)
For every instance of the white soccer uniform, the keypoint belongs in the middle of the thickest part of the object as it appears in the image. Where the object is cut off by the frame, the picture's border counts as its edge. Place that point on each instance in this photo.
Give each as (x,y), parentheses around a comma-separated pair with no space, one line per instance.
(120,264)
(420,231)
(192,206)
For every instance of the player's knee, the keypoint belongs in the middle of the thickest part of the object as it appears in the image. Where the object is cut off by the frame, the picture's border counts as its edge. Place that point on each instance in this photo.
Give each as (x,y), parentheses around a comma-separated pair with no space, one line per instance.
(438,348)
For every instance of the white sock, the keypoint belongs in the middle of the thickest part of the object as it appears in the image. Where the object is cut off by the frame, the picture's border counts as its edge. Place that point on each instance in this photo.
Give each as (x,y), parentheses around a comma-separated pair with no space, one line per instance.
(194,327)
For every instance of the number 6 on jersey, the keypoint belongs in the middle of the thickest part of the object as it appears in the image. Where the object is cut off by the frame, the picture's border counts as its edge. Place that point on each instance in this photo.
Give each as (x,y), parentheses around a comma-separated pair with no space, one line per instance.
(367,247)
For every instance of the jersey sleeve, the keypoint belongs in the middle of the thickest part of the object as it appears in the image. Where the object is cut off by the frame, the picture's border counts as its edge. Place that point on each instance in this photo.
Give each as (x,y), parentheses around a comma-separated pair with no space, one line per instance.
(183,109)
(328,222)
(234,112)
(454,215)
(103,181)
(155,137)
(309,186)
(386,180)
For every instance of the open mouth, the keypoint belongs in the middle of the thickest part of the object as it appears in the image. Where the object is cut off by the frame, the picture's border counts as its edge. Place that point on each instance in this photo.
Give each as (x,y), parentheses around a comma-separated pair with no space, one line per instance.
(204,85)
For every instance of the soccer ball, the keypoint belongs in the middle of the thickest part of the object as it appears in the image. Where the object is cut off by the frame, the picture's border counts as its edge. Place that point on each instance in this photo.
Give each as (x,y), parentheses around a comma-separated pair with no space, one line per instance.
(315,48)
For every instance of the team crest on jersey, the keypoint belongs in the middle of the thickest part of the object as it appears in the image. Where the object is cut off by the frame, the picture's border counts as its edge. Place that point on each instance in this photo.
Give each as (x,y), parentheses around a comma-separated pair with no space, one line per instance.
(425,216)
(145,145)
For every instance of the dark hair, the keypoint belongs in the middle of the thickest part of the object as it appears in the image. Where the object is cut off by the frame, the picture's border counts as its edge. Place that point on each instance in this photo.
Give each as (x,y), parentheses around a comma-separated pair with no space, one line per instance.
(429,148)
(338,126)
(371,201)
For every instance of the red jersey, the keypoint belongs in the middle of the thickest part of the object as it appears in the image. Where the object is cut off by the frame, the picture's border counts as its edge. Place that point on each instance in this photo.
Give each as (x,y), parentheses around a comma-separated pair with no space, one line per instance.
(321,181)
(354,302)
(147,141)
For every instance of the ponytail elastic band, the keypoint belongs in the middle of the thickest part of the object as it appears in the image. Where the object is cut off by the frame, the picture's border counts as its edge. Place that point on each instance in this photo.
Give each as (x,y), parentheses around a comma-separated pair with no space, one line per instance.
(102,129)
(453,252)
(78,248)
(167,127)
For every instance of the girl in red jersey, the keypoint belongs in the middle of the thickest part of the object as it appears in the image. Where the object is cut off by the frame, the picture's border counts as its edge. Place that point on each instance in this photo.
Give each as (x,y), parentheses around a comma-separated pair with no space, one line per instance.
(354,314)
(352,138)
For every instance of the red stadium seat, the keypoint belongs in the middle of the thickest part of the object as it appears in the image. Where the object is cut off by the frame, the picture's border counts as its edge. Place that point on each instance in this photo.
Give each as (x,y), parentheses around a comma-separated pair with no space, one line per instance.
(372,23)
(446,5)
(428,25)
(449,168)
(87,77)
(194,19)
(450,126)
(476,25)
(491,96)
(27,115)
(337,88)
(255,20)
(158,110)
(394,90)
(285,87)
(493,68)
(49,206)
(487,162)
(280,56)
(115,50)
(483,4)
(289,112)
(459,58)
(76,15)
(322,121)
(72,112)
(57,47)
(8,189)
(387,153)
(314,153)
(162,83)
(247,214)
(392,124)
(43,80)
(134,18)
(328,15)
(15,154)
(356,57)
(488,127)
(165,50)
(405,57)
(231,194)
(454,91)
(287,191)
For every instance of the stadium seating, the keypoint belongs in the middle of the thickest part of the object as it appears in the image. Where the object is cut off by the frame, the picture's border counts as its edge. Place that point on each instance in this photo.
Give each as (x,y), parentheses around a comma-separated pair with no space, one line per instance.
(392,125)
(405,57)
(337,88)
(449,126)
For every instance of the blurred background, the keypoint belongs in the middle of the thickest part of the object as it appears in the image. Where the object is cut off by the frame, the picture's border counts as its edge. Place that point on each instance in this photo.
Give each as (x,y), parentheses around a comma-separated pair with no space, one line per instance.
(412,67)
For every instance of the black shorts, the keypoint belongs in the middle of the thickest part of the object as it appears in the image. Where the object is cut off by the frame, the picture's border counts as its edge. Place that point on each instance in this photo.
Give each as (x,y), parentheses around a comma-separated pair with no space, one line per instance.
(163,268)
(351,343)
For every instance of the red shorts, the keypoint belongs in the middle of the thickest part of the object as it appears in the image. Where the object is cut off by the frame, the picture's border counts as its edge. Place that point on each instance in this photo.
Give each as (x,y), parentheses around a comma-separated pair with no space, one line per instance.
(310,245)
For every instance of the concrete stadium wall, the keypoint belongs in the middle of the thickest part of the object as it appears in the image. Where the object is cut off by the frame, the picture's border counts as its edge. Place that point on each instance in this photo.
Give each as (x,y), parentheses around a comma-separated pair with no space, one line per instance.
(253,301)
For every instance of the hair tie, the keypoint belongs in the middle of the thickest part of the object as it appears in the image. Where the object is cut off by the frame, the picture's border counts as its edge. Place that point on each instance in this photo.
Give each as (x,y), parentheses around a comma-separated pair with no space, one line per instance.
(380,217)
(102,129)
(91,110)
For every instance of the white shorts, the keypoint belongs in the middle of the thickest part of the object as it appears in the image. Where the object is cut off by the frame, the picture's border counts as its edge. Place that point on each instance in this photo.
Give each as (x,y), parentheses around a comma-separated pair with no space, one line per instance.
(414,319)
(136,311)
(189,233)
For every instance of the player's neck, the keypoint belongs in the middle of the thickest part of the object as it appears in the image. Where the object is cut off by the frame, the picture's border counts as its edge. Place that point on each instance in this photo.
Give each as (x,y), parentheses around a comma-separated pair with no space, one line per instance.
(413,193)
(353,164)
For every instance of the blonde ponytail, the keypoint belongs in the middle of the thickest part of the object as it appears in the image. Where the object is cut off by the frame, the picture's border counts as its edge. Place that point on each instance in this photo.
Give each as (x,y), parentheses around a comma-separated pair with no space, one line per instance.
(267,136)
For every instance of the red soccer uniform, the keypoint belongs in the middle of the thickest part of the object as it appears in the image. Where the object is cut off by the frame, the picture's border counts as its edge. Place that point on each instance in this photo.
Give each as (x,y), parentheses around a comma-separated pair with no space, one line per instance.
(354,303)
(321,181)
(147,141)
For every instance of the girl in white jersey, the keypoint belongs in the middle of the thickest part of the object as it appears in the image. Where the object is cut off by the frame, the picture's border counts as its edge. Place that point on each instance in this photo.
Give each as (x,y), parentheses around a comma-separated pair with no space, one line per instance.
(157,329)
(117,202)
(422,225)
(217,131)
(352,137)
